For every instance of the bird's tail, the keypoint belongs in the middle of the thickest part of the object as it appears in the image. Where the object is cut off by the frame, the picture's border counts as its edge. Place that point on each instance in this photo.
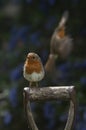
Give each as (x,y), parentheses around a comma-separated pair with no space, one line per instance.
(50,64)
(63,19)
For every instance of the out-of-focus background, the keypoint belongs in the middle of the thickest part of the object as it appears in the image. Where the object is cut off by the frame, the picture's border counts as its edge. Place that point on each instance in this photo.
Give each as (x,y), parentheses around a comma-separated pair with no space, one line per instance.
(27,25)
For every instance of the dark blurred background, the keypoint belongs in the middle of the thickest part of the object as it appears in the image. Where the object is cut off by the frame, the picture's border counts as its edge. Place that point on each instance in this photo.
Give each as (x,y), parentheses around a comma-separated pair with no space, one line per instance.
(27,25)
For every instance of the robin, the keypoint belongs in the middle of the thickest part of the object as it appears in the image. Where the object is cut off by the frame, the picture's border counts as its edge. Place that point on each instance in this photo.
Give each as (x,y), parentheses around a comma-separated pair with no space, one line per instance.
(60,46)
(61,43)
(33,70)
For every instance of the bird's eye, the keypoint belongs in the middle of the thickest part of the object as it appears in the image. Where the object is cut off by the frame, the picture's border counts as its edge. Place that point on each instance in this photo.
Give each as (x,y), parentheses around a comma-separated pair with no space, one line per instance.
(33,57)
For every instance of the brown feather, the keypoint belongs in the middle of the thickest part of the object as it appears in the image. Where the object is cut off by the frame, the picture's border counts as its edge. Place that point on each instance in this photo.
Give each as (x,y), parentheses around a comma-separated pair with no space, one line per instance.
(33,66)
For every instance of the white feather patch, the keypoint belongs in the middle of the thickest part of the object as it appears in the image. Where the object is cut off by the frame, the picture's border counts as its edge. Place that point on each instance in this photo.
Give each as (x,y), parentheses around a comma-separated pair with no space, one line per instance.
(34,77)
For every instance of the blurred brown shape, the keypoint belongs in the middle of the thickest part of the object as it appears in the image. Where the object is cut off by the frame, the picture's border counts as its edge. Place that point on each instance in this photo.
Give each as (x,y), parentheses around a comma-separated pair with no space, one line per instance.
(61,43)
(50,64)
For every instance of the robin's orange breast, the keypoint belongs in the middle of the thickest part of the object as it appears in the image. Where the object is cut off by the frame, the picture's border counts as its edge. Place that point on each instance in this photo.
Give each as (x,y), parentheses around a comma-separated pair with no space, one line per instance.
(61,33)
(33,66)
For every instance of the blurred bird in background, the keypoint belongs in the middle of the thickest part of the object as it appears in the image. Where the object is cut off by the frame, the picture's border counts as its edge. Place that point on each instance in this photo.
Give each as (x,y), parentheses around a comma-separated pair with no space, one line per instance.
(33,70)
(60,45)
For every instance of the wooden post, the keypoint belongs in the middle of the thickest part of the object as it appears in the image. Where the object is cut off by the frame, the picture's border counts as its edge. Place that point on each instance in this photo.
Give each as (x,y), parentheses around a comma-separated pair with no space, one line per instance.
(50,93)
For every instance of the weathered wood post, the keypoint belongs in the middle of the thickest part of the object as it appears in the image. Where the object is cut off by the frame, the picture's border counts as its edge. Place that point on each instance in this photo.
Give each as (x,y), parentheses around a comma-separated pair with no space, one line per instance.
(47,94)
